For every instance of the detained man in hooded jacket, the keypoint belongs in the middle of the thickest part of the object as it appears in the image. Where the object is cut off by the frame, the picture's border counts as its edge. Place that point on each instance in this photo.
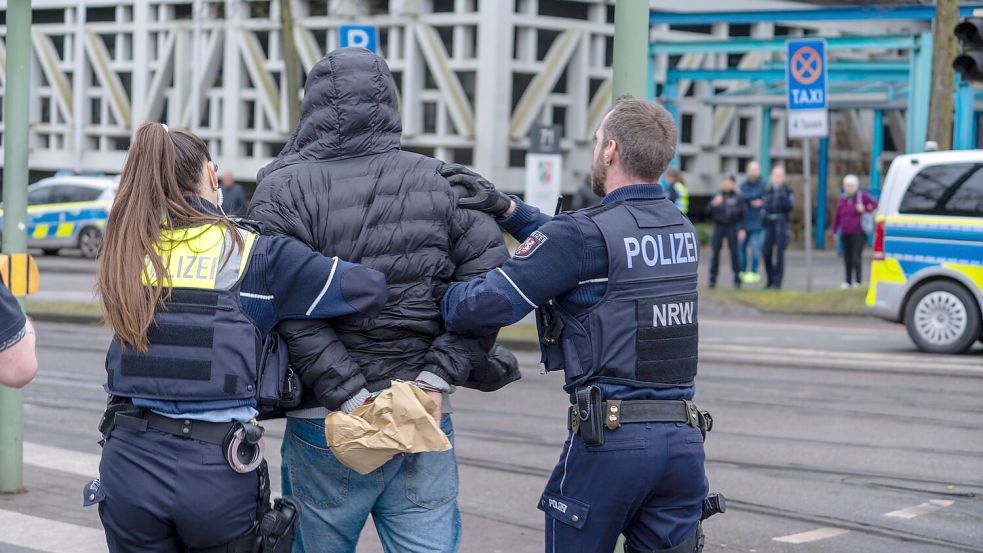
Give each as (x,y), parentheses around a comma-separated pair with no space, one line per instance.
(343,186)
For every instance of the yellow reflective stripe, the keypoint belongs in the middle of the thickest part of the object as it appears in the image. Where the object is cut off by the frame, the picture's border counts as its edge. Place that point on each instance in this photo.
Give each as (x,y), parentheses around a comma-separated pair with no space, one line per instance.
(40,231)
(247,248)
(968,221)
(65,229)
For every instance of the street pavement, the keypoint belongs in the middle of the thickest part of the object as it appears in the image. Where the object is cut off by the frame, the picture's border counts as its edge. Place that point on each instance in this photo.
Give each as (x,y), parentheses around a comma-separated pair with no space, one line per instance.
(831,435)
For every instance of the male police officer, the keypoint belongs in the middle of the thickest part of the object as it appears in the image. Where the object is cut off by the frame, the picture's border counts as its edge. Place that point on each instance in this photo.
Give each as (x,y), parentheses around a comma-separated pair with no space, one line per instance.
(615,286)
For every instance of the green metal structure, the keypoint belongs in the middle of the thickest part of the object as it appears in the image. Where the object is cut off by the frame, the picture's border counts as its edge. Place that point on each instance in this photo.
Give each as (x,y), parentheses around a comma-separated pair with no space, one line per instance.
(15,178)
(877,86)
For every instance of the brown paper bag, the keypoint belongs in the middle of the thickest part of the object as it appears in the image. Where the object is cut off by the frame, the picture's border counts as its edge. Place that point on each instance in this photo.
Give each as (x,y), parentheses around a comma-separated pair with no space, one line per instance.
(398,421)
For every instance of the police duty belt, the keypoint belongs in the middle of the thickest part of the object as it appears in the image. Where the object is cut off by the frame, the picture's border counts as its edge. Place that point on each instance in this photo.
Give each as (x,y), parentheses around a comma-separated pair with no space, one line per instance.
(242,444)
(616,413)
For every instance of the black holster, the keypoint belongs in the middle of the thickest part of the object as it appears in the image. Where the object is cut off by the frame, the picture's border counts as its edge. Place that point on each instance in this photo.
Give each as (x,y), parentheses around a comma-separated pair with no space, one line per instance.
(590,415)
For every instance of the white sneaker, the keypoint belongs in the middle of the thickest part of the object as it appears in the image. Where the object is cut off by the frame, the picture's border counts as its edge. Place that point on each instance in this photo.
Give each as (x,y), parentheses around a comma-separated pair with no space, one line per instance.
(844,286)
(855,285)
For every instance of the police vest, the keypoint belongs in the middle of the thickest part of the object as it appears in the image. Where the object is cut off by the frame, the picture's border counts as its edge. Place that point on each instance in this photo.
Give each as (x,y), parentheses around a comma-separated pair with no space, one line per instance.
(203,346)
(644,330)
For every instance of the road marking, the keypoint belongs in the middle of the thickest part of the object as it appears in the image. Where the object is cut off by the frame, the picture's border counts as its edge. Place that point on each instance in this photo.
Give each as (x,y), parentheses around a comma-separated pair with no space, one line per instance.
(50,536)
(64,460)
(918,510)
(812,535)
(80,463)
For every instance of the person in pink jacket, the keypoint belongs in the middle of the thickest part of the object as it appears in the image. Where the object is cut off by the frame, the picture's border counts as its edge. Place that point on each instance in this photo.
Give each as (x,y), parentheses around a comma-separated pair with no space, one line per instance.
(848,223)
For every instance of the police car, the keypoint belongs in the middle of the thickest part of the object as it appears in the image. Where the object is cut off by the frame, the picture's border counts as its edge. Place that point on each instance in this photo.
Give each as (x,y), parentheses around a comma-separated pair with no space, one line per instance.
(69,212)
(927,270)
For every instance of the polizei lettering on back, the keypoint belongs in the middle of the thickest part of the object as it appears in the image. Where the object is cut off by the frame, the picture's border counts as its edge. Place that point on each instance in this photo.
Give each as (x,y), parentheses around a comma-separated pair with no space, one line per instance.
(662,249)
(672,314)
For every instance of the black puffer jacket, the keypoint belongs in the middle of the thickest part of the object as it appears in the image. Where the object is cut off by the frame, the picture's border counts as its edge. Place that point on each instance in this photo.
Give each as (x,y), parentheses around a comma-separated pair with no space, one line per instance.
(343,186)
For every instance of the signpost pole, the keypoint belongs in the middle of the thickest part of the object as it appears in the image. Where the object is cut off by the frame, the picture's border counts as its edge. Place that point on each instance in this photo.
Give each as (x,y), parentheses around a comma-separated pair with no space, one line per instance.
(807,208)
(807,100)
(15,178)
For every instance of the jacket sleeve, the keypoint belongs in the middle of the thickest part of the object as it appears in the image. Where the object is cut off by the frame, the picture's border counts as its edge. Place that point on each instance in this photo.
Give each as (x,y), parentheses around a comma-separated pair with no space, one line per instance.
(319,287)
(504,296)
(870,203)
(836,218)
(319,357)
(476,247)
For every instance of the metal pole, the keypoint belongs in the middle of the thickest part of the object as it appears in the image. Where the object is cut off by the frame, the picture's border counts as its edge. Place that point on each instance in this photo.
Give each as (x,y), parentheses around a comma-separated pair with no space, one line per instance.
(822,170)
(807,210)
(631,46)
(15,151)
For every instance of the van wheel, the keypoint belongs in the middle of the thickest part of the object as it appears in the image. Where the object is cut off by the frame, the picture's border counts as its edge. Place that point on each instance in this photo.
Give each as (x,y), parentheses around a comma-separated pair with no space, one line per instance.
(942,317)
(90,240)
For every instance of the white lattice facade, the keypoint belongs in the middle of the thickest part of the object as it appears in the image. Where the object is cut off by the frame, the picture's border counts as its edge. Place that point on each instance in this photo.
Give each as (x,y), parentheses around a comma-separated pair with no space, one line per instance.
(473,75)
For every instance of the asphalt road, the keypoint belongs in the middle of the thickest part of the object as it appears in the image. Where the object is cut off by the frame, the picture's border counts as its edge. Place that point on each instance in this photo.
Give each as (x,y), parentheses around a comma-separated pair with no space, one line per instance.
(831,433)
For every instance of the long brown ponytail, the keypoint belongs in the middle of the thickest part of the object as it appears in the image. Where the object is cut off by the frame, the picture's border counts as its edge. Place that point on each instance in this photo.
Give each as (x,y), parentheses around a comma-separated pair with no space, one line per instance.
(162,168)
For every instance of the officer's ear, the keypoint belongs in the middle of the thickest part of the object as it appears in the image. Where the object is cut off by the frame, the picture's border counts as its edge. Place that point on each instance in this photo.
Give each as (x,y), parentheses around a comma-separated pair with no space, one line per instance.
(609,151)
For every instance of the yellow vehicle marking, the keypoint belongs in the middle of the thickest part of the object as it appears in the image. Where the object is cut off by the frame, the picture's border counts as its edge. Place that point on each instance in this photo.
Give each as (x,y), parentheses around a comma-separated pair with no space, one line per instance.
(886,270)
(40,231)
(65,230)
(968,221)
(973,272)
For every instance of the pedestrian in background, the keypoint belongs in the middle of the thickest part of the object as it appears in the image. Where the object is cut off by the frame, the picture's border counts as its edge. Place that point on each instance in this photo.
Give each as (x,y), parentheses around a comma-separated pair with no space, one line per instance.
(854,211)
(676,190)
(778,204)
(18,363)
(233,196)
(727,211)
(752,190)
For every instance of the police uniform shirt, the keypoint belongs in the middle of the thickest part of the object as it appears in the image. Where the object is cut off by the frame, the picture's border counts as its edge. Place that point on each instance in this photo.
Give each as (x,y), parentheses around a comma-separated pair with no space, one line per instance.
(12,319)
(559,258)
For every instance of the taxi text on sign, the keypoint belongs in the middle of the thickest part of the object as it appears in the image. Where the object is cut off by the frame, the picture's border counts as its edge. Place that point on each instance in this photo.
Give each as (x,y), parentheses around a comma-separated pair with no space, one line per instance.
(807,91)
(360,36)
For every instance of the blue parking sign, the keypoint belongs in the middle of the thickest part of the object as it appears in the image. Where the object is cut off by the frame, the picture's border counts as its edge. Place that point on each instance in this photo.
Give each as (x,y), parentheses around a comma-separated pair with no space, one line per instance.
(806,88)
(361,36)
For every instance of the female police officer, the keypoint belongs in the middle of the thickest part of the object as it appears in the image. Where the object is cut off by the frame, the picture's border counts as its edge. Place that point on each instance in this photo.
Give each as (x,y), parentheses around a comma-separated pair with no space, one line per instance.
(193,299)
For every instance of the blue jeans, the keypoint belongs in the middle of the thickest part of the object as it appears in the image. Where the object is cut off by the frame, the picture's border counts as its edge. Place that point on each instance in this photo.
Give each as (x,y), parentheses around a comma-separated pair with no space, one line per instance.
(755,239)
(412,498)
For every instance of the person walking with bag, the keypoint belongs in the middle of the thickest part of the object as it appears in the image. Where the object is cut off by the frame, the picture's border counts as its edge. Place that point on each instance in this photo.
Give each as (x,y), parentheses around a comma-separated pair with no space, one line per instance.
(853,221)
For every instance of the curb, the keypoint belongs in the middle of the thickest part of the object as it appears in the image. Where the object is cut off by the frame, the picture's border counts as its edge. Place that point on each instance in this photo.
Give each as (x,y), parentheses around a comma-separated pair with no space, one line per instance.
(68,318)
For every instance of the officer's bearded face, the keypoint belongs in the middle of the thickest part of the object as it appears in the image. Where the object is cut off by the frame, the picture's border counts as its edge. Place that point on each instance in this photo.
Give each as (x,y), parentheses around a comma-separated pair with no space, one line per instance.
(598,169)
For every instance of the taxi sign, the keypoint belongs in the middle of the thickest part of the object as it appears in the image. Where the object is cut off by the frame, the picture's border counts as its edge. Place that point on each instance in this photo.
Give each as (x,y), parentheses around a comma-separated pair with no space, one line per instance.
(807,94)
(19,272)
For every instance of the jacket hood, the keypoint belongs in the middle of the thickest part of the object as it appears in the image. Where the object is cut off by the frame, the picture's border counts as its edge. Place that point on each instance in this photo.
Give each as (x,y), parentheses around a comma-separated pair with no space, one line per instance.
(349,110)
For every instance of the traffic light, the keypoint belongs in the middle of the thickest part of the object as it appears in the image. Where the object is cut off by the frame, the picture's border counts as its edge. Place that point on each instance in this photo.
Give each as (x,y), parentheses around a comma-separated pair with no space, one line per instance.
(969,63)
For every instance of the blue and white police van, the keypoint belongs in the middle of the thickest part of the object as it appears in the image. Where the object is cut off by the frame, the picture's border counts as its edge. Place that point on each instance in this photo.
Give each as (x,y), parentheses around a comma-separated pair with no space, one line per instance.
(927,269)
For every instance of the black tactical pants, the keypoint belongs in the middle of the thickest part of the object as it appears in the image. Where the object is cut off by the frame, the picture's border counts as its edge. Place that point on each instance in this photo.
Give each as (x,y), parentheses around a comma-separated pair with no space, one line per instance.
(161,493)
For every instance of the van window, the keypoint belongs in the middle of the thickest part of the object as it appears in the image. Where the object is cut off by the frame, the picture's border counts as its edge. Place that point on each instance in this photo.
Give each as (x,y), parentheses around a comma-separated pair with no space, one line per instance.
(932,188)
(967,200)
